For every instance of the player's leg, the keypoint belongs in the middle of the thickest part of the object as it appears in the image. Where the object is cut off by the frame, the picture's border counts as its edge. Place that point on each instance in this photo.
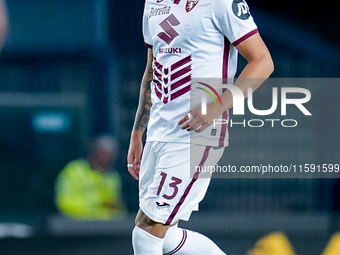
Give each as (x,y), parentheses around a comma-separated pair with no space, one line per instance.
(186,242)
(147,236)
(152,227)
(172,194)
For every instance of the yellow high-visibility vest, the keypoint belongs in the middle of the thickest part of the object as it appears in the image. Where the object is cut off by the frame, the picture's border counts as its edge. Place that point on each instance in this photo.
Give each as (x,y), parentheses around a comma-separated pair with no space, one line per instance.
(84,193)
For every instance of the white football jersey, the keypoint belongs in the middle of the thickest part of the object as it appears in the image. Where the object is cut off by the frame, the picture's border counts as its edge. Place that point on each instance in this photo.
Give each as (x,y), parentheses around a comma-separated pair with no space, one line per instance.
(191,39)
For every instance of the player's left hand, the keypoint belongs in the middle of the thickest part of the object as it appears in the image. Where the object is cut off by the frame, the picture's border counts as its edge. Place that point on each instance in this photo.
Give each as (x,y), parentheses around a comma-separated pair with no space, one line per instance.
(199,122)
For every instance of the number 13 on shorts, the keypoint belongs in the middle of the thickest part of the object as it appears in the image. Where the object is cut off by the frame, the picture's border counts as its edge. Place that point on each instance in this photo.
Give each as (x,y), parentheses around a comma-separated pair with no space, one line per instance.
(172,184)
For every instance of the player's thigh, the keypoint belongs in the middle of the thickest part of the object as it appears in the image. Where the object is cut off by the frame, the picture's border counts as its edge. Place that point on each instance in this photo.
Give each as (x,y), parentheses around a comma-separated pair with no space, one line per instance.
(171,169)
(147,169)
(175,192)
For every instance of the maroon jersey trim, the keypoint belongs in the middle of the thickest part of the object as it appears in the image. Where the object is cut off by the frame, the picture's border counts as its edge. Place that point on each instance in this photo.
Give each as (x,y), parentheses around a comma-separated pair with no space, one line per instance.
(246,36)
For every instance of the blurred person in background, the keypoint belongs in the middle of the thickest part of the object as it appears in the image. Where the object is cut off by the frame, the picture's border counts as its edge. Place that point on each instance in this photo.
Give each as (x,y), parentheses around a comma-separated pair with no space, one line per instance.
(334,186)
(275,243)
(90,189)
(3,22)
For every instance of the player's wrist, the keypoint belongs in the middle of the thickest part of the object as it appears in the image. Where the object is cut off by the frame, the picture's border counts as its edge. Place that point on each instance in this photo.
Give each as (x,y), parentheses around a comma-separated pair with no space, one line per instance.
(136,134)
(218,109)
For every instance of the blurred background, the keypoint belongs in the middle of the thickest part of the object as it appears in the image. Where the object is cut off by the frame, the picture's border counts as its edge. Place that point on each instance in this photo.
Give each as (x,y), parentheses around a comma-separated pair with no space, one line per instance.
(70,70)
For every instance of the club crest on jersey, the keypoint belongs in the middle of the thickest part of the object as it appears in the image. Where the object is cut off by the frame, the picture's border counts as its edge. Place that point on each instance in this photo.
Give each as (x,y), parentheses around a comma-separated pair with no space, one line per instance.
(191,4)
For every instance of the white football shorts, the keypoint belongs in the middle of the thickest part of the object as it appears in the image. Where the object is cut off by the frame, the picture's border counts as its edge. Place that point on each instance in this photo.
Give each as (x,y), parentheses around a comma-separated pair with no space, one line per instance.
(168,192)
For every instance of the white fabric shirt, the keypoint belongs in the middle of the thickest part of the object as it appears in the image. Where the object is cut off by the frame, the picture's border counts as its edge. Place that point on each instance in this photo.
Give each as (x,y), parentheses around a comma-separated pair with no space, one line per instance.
(191,39)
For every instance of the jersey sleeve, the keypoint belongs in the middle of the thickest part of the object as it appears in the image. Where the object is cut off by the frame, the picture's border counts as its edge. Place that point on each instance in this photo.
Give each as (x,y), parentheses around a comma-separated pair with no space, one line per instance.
(146,30)
(233,19)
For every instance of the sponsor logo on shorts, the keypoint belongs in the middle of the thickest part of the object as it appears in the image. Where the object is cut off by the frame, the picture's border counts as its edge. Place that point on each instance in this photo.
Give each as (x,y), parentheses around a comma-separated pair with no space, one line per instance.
(162,204)
(213,132)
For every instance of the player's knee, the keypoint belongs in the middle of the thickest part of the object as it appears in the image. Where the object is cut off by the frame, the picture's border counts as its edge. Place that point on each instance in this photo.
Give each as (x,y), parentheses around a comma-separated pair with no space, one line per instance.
(142,220)
(152,227)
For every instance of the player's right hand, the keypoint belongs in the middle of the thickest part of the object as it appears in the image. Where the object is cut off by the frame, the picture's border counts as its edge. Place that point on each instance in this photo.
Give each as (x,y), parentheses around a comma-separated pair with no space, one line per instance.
(134,155)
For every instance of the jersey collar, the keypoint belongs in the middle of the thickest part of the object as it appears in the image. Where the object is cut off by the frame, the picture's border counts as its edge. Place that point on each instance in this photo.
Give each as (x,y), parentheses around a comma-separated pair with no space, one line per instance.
(176,1)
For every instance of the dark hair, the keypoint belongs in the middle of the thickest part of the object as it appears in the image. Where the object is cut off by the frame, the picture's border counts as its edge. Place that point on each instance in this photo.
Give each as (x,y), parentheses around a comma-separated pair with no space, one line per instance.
(103,141)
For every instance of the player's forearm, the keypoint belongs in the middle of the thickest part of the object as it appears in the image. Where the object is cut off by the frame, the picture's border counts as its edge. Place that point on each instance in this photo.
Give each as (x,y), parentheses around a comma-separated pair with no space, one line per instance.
(143,110)
(144,105)
(260,68)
